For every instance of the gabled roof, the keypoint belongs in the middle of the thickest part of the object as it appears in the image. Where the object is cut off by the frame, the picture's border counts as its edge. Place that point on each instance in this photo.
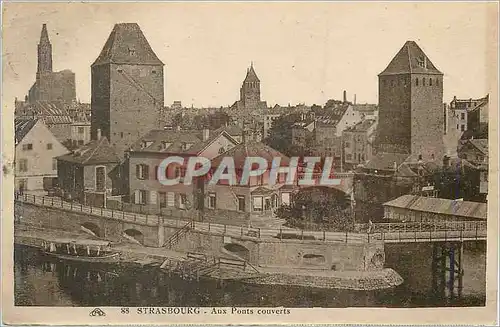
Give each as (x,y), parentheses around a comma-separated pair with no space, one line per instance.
(251,75)
(231,130)
(411,59)
(22,128)
(251,149)
(127,45)
(480,144)
(94,152)
(477,210)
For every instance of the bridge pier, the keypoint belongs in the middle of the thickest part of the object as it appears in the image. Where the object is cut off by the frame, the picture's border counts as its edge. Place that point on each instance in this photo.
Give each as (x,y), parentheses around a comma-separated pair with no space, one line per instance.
(447,269)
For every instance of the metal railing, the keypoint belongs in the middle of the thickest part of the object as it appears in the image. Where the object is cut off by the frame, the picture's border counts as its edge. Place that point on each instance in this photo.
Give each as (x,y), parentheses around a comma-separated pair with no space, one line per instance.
(379,232)
(174,239)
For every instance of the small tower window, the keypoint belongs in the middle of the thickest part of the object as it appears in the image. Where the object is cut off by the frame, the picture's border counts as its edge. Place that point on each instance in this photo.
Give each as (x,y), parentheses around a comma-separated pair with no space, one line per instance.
(416,81)
(423,81)
(430,81)
(437,81)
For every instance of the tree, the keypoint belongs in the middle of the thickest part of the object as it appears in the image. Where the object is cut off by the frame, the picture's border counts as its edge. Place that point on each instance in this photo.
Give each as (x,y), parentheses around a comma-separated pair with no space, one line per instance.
(318,208)
(280,133)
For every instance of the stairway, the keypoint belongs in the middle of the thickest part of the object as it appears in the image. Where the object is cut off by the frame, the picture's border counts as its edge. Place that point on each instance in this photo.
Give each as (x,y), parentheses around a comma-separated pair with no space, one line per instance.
(177,236)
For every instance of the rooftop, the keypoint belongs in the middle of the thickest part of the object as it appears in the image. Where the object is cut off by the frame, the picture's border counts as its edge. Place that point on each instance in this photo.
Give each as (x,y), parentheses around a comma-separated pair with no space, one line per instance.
(251,149)
(411,59)
(476,210)
(22,127)
(127,45)
(94,152)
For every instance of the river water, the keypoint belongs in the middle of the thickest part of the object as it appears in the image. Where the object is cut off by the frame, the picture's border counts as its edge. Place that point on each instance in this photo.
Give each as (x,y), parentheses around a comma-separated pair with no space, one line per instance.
(40,281)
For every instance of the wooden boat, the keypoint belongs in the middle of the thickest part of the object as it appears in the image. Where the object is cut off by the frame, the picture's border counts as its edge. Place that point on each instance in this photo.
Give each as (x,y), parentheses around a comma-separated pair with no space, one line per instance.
(81,250)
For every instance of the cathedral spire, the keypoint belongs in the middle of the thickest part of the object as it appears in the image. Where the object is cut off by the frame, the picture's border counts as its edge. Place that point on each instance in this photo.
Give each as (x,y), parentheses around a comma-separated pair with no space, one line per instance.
(44,52)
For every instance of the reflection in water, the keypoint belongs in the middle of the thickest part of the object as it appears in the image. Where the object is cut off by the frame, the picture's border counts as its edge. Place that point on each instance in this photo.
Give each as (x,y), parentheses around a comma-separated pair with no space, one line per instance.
(40,280)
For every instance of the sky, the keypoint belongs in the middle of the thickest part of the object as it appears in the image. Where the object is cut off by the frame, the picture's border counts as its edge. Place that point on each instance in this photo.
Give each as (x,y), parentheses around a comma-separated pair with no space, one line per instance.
(302,52)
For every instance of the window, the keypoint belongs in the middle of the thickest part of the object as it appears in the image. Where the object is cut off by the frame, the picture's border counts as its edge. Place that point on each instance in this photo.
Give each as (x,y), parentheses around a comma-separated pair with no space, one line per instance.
(141,197)
(28,146)
(142,171)
(423,81)
(163,199)
(131,51)
(54,164)
(241,203)
(153,72)
(212,200)
(156,173)
(416,82)
(121,134)
(257,203)
(182,201)
(430,81)
(222,150)
(81,130)
(80,142)
(462,115)
(100,178)
(479,157)
(171,199)
(23,165)
(165,145)
(177,171)
(49,146)
(462,128)
(437,81)
(285,198)
(349,156)
(267,202)
(347,144)
(457,126)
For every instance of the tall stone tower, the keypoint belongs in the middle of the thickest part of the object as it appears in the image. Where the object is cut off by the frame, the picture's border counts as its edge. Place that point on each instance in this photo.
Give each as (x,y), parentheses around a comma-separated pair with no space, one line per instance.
(127,88)
(410,105)
(44,52)
(250,90)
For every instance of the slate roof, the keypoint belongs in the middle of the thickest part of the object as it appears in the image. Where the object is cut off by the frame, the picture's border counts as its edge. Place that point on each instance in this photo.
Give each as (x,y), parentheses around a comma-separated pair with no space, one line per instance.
(410,59)
(127,45)
(155,141)
(251,149)
(22,127)
(94,152)
(477,210)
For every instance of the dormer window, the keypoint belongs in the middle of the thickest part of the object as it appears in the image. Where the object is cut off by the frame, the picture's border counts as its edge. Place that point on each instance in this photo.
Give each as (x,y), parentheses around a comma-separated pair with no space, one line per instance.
(165,145)
(146,144)
(186,146)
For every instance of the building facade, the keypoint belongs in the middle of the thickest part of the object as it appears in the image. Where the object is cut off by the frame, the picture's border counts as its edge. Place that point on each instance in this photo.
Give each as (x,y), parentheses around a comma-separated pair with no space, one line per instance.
(35,151)
(410,105)
(358,142)
(127,83)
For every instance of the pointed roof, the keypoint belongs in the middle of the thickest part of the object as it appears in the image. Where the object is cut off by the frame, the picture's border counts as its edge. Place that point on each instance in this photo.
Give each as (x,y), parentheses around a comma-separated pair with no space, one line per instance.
(411,59)
(44,36)
(251,75)
(94,152)
(127,45)
(251,149)
(22,127)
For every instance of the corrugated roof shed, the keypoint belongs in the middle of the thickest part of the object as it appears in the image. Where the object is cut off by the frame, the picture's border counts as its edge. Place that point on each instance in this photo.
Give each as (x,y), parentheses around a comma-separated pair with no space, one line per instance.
(468,209)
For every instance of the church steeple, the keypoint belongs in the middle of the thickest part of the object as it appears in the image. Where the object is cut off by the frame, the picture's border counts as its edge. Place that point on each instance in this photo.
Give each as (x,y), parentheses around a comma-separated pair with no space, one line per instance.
(44,52)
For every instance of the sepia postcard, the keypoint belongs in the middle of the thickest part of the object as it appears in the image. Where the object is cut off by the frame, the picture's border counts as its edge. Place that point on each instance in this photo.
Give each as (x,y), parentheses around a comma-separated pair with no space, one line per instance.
(249,163)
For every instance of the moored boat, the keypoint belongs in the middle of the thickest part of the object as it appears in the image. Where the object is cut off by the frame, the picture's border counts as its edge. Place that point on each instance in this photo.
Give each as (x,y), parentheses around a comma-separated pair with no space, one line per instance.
(82,250)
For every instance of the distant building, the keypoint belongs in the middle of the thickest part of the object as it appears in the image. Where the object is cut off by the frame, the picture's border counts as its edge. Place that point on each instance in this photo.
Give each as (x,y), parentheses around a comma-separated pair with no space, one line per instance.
(35,151)
(50,85)
(410,105)
(176,105)
(367,111)
(358,142)
(127,88)
(91,173)
(250,101)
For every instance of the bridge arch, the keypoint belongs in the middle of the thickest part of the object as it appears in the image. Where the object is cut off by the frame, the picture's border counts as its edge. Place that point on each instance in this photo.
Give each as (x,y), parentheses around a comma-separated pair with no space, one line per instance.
(238,250)
(134,236)
(92,229)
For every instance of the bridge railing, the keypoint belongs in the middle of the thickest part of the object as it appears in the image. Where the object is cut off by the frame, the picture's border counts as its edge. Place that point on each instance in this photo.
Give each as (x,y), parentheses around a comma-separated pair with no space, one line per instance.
(423,226)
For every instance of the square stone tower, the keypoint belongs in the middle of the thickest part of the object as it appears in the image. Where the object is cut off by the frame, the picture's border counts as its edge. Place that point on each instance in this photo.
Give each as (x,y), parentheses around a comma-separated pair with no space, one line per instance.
(127,88)
(411,105)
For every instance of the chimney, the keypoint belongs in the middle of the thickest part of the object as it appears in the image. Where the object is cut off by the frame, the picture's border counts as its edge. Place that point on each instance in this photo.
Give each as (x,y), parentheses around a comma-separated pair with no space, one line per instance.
(345,96)
(354,98)
(98,134)
(206,134)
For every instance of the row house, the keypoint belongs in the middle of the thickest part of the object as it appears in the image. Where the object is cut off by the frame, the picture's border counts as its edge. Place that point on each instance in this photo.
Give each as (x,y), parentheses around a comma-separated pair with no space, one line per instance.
(149,151)
(91,173)
(358,142)
(36,150)
(475,151)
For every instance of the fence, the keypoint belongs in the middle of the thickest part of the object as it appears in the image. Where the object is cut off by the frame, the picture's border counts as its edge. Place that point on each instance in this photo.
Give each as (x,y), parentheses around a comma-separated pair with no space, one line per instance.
(469,229)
